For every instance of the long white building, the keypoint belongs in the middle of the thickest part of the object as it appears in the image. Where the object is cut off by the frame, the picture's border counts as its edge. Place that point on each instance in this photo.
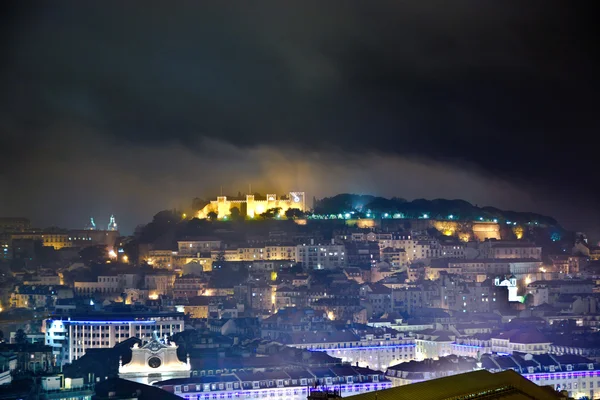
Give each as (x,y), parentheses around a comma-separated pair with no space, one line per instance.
(368,351)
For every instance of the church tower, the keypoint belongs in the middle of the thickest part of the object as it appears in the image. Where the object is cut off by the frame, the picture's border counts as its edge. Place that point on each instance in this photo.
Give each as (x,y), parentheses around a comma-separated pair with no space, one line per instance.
(153,362)
(112,224)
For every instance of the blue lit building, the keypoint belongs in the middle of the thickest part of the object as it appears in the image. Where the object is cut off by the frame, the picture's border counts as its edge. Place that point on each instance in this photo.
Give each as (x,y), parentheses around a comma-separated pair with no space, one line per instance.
(71,336)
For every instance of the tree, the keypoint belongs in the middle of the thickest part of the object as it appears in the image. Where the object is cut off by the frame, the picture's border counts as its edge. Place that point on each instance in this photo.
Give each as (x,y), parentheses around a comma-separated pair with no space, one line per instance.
(271,213)
(294,213)
(94,254)
(20,337)
(235,214)
(212,215)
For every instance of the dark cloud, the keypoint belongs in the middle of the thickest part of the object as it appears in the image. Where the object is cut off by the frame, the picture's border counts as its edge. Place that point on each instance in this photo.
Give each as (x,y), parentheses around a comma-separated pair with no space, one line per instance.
(131,107)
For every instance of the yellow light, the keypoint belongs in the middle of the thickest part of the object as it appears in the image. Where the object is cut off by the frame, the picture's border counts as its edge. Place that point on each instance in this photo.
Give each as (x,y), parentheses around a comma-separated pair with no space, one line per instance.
(184,215)
(153,296)
(331,315)
(125,258)
(527,280)
(112,254)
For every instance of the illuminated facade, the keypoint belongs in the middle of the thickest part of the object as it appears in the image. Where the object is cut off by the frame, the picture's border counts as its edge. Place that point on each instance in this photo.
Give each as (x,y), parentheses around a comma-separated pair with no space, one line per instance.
(153,362)
(70,338)
(56,240)
(291,384)
(252,206)
(511,284)
(368,351)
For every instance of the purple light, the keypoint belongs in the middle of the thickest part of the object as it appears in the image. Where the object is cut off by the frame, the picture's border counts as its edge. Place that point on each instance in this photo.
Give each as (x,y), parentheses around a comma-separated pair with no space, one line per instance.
(114,322)
(364,347)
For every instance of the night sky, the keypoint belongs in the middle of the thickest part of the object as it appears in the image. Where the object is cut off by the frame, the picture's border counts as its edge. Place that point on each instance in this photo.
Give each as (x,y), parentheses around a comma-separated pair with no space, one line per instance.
(133,108)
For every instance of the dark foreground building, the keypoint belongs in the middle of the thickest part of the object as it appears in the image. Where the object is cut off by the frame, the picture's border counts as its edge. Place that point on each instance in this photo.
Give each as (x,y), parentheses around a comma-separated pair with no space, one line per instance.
(472,385)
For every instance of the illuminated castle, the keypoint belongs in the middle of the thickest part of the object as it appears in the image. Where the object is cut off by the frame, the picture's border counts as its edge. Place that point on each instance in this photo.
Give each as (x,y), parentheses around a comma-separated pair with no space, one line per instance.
(252,205)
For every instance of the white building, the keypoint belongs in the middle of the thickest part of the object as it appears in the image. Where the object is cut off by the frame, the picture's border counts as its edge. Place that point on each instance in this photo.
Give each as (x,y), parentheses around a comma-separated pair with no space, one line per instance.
(368,351)
(322,256)
(289,384)
(71,337)
(153,362)
(198,245)
(518,340)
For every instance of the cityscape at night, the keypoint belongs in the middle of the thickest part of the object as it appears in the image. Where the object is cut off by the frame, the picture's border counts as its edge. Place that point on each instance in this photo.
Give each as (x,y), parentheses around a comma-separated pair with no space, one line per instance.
(299,200)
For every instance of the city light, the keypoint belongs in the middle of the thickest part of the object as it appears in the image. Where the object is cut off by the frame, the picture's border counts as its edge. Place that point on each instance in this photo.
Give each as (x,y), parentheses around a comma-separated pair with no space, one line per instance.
(449,216)
(112,254)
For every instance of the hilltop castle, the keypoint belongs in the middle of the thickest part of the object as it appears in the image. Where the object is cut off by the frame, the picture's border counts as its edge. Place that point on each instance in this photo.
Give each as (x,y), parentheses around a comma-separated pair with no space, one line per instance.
(253,205)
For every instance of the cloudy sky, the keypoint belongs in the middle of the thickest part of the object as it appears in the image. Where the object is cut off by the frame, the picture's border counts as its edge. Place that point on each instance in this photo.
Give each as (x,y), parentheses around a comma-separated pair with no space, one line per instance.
(132,108)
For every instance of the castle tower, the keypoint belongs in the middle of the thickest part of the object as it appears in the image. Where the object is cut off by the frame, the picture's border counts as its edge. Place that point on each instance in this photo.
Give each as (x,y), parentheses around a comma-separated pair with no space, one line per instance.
(250,206)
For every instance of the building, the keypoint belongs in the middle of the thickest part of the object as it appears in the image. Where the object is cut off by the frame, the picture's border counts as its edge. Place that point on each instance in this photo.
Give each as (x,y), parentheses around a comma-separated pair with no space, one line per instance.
(159,284)
(188,286)
(13,224)
(26,357)
(57,240)
(195,246)
(396,257)
(70,337)
(529,341)
(253,205)
(290,384)
(85,237)
(59,387)
(162,259)
(507,249)
(368,350)
(153,362)
(39,296)
(479,384)
(322,256)
(198,307)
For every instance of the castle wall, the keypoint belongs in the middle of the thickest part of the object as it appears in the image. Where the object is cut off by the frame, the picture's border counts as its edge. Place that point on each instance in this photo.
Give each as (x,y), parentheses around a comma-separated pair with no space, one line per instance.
(251,206)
